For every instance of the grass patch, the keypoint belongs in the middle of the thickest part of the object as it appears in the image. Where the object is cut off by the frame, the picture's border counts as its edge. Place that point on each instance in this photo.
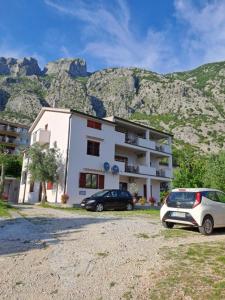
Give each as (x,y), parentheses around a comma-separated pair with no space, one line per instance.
(112,284)
(142,235)
(136,212)
(195,272)
(103,254)
(127,295)
(176,233)
(5,209)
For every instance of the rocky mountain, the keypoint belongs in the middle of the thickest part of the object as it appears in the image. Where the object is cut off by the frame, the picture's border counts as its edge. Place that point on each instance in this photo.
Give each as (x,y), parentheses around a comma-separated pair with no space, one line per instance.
(189,104)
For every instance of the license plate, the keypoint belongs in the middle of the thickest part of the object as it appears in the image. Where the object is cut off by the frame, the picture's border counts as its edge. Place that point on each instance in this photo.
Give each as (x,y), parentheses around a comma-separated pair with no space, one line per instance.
(177,214)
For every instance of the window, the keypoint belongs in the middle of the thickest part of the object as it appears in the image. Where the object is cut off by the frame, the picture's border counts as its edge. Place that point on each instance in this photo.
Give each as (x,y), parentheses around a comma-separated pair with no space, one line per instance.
(46,127)
(211,195)
(34,136)
(49,185)
(114,194)
(93,148)
(221,197)
(24,177)
(31,187)
(91,181)
(124,194)
(94,124)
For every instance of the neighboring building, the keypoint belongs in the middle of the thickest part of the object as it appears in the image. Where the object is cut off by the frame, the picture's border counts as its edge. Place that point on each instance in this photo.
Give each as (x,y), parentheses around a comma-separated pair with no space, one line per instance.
(13,136)
(107,153)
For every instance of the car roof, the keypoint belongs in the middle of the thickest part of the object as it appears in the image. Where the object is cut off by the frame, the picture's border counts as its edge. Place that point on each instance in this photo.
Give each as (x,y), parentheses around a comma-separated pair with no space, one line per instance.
(195,190)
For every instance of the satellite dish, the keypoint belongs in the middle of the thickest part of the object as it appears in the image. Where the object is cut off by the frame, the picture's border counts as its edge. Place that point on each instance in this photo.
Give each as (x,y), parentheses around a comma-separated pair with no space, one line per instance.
(106,166)
(115,169)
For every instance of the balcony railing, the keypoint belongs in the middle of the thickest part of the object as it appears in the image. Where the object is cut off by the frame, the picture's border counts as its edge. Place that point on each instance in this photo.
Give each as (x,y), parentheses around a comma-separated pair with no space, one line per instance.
(133,140)
(164,173)
(131,169)
(8,128)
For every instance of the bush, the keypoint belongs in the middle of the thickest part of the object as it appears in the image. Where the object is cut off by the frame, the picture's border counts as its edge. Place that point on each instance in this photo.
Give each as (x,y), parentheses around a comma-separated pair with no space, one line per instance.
(64,198)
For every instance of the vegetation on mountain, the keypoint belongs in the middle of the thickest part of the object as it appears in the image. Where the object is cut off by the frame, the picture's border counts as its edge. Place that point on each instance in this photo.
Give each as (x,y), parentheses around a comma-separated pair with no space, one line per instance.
(191,104)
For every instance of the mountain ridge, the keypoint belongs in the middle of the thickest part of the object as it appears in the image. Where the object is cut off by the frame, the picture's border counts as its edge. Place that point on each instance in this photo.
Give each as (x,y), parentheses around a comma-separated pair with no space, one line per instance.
(191,104)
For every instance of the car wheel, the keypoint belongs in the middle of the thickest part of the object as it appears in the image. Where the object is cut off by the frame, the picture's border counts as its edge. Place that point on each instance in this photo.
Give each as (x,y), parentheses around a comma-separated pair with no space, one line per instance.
(207,226)
(129,206)
(168,225)
(99,207)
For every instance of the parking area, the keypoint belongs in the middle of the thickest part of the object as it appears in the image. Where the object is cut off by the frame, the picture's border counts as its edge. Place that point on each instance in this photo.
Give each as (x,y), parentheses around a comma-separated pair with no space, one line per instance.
(50,253)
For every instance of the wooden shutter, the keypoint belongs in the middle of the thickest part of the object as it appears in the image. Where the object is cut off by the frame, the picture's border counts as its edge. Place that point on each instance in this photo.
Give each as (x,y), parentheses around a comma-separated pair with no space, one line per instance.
(101,181)
(82,180)
(49,185)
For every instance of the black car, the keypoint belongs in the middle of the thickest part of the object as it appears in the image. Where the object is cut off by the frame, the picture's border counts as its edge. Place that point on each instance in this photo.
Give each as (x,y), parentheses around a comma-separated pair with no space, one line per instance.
(108,199)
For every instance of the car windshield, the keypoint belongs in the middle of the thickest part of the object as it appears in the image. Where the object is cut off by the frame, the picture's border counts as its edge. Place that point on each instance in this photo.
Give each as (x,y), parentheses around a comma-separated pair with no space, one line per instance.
(100,194)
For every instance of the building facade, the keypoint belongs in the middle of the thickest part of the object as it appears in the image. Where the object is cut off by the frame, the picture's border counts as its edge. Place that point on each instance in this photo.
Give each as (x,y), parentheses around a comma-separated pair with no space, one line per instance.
(13,136)
(97,154)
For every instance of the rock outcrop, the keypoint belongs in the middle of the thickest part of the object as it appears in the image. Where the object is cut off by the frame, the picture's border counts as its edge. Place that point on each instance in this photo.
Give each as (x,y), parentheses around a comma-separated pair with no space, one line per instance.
(190,104)
(74,67)
(19,67)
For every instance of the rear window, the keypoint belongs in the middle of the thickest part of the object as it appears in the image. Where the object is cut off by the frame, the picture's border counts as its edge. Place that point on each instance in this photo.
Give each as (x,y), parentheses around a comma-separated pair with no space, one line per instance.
(181,199)
(182,196)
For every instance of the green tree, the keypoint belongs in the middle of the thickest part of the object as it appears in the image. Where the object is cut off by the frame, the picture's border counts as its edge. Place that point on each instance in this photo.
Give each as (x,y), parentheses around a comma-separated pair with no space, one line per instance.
(13,165)
(190,170)
(3,160)
(214,176)
(44,165)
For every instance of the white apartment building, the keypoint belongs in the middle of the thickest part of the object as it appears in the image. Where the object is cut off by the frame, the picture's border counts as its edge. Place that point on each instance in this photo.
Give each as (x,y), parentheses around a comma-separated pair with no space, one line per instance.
(13,136)
(108,153)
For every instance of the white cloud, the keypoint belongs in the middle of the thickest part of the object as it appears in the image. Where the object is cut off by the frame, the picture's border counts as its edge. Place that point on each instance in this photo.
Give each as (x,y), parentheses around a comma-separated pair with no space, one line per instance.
(111,39)
(205,37)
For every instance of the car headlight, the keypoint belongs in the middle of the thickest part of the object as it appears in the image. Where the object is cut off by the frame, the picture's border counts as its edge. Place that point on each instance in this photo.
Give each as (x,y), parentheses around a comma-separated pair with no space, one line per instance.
(90,201)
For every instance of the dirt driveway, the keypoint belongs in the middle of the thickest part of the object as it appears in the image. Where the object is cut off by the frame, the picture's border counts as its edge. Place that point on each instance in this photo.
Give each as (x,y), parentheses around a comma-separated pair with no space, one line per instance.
(54,254)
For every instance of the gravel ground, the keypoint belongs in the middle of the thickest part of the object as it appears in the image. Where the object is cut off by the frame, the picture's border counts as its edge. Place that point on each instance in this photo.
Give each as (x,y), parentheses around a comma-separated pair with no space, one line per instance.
(54,254)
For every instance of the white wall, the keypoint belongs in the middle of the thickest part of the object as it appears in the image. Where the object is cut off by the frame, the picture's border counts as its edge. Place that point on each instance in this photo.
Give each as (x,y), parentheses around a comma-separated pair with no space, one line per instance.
(58,124)
(156,190)
(79,161)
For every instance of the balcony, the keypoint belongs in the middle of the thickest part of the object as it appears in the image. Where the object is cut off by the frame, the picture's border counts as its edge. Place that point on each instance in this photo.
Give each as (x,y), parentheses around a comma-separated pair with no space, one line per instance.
(164,173)
(163,148)
(132,169)
(41,136)
(133,139)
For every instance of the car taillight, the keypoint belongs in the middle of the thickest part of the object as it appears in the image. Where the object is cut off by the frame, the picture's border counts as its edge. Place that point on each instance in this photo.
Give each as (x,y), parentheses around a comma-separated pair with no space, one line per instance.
(198,199)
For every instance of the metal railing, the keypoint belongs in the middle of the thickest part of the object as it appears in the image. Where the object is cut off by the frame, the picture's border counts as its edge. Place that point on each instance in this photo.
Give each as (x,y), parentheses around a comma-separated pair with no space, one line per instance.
(133,140)
(131,169)
(160,173)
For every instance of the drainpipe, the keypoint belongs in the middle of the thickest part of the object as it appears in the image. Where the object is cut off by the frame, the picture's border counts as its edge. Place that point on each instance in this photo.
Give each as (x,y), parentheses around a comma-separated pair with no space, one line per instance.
(67,154)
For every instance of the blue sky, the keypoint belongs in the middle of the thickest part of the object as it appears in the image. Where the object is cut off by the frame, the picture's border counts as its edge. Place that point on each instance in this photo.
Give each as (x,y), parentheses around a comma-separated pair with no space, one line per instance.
(159,35)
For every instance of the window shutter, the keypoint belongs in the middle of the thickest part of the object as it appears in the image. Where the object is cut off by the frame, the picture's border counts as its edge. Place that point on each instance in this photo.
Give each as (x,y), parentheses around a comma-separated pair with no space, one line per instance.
(49,185)
(101,181)
(82,181)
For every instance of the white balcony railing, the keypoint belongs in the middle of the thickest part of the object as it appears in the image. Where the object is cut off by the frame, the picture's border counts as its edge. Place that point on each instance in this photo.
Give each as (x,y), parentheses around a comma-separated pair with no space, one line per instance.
(132,139)
(164,173)
(41,136)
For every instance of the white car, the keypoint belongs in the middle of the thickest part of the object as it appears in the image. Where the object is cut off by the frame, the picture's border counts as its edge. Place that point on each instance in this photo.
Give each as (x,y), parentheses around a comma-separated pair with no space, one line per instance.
(203,208)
